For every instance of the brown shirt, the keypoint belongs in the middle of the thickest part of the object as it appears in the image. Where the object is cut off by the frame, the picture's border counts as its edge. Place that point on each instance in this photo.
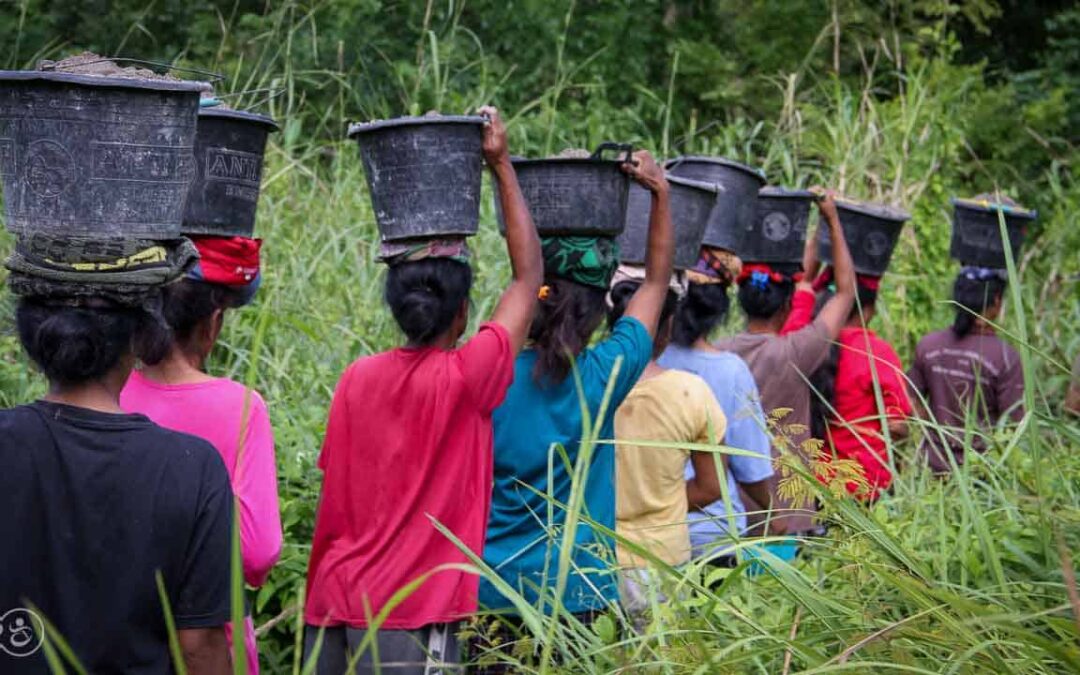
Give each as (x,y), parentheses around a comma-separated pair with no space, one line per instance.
(978,374)
(781,364)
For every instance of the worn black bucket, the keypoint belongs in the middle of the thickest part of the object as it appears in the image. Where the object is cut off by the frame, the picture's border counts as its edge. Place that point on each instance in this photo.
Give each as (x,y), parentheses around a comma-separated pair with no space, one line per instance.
(778,231)
(92,155)
(871,230)
(424,174)
(736,202)
(691,205)
(575,196)
(976,235)
(224,194)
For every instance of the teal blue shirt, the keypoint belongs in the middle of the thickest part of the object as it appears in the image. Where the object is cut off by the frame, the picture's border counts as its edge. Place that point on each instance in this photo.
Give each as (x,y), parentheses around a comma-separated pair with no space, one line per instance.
(529,425)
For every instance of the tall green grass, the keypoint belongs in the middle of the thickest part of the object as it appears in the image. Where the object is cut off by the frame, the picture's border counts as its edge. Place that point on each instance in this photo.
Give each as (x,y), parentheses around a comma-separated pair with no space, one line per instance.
(961,576)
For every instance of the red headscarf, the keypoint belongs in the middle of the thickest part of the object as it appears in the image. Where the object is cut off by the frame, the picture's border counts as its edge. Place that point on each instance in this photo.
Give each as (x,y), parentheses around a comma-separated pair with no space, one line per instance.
(229,261)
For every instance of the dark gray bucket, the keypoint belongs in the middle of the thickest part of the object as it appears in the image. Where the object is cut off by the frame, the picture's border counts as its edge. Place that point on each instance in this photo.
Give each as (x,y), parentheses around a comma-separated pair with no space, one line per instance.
(424,174)
(736,203)
(224,194)
(691,205)
(572,196)
(976,234)
(98,156)
(871,230)
(778,232)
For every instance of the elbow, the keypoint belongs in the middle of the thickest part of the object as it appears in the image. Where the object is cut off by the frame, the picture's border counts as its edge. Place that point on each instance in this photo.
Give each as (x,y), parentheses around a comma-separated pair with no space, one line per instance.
(899,429)
(205,650)
(258,565)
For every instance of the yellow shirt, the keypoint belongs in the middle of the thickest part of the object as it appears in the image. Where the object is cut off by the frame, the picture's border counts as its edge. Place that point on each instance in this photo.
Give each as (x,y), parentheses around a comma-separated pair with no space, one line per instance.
(651,506)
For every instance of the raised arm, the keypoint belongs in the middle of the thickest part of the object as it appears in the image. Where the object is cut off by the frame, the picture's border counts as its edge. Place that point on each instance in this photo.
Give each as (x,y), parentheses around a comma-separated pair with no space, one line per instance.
(835,312)
(518,303)
(648,301)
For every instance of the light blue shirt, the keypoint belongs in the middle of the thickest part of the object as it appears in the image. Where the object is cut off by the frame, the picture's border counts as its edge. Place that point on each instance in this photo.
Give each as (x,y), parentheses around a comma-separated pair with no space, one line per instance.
(522,545)
(731,381)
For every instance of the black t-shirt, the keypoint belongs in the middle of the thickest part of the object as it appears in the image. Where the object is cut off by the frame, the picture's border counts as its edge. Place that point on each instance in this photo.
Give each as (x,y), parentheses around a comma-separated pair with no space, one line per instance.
(92,505)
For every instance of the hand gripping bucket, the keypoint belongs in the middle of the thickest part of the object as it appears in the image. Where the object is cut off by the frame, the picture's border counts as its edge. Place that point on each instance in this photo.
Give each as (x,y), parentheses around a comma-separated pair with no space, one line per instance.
(871,231)
(424,174)
(736,202)
(691,205)
(572,196)
(778,232)
(224,194)
(976,234)
(96,156)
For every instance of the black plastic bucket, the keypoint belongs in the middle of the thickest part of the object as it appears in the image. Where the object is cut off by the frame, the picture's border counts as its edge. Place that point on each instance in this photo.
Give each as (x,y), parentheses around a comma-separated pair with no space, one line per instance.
(691,205)
(778,231)
(575,196)
(736,202)
(976,235)
(224,194)
(97,156)
(424,174)
(871,230)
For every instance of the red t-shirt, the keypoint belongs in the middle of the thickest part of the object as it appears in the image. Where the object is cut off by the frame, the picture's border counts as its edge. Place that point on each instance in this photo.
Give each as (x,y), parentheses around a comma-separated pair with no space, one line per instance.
(802,311)
(409,440)
(856,403)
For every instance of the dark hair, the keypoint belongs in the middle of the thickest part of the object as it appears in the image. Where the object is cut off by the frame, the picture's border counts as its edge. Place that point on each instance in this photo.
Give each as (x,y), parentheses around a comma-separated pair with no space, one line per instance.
(424,296)
(703,309)
(187,303)
(72,345)
(765,303)
(973,297)
(563,325)
(620,298)
(867,297)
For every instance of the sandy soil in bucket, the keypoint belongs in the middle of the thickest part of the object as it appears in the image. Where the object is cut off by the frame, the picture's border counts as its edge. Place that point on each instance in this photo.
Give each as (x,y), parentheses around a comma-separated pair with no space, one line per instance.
(89,63)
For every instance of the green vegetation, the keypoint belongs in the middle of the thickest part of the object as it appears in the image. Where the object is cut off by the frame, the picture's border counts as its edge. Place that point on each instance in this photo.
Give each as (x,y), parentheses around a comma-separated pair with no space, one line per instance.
(905,102)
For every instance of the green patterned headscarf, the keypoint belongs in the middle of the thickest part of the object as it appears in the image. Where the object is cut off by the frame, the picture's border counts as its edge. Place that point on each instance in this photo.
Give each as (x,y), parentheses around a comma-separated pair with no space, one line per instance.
(590,261)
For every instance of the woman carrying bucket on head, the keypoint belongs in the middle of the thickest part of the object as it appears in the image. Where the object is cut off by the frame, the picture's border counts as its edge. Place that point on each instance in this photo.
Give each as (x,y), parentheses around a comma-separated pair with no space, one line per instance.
(704,308)
(780,363)
(409,444)
(542,416)
(178,394)
(966,379)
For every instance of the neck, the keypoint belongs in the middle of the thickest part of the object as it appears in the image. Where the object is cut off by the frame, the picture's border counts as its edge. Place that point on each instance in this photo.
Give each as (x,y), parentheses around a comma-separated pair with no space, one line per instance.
(652,370)
(704,345)
(763,326)
(102,395)
(179,367)
(982,327)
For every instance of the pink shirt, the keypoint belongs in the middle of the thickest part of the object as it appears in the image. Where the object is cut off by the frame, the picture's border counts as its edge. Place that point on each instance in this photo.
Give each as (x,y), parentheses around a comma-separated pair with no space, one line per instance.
(215,410)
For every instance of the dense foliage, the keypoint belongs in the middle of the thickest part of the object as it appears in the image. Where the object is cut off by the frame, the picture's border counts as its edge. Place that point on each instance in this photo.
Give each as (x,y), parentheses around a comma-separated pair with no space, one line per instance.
(907,102)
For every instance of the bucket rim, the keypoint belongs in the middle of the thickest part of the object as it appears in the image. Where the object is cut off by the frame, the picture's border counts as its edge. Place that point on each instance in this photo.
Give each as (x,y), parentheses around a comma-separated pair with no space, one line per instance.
(103,81)
(724,161)
(358,128)
(882,211)
(785,193)
(993,207)
(702,185)
(240,115)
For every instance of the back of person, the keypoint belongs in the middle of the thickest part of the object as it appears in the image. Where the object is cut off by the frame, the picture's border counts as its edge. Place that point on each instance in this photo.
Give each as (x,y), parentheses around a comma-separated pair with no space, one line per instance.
(532,420)
(978,373)
(651,499)
(408,441)
(866,363)
(781,364)
(96,505)
(732,383)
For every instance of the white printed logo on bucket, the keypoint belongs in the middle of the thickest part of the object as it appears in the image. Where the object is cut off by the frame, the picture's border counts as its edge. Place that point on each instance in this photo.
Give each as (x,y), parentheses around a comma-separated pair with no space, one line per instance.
(776,226)
(50,169)
(21,632)
(876,244)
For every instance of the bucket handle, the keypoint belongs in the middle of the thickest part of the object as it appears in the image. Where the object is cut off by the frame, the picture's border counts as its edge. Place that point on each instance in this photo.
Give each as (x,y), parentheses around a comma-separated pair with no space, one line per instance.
(626,148)
(216,77)
(274,92)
